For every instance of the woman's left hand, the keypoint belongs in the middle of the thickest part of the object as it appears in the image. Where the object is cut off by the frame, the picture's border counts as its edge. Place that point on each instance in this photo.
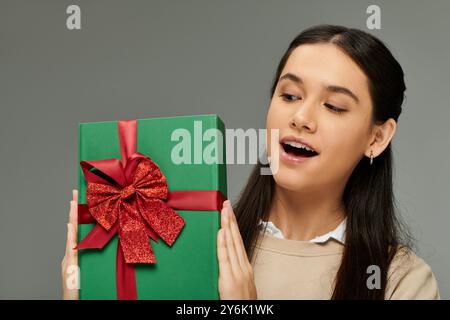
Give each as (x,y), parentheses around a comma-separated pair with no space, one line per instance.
(236,280)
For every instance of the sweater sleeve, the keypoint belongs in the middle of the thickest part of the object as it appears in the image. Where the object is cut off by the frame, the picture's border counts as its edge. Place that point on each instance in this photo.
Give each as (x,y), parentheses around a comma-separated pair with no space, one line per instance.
(411,278)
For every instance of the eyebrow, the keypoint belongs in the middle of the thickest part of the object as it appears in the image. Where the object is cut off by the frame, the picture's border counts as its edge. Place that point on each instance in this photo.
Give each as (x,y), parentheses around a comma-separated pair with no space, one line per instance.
(330,88)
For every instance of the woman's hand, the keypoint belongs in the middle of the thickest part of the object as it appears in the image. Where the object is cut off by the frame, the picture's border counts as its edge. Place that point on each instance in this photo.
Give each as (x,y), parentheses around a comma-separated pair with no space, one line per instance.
(236,281)
(69,264)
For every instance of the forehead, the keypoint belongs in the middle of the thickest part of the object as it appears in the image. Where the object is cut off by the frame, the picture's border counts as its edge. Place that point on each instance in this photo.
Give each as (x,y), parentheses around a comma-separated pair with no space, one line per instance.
(325,64)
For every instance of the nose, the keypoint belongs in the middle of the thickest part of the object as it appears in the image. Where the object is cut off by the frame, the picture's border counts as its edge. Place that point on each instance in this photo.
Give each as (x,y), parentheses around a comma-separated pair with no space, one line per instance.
(305,116)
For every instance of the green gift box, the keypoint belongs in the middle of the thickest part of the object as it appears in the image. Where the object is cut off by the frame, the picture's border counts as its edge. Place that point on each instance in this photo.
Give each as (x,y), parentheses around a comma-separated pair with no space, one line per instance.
(189,151)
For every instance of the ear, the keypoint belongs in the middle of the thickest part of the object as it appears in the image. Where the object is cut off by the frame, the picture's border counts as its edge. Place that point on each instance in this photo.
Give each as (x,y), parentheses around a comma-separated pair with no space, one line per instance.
(381,136)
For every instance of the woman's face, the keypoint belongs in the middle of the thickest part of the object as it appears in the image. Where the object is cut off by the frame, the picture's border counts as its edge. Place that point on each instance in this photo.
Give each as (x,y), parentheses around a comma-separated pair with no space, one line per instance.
(316,79)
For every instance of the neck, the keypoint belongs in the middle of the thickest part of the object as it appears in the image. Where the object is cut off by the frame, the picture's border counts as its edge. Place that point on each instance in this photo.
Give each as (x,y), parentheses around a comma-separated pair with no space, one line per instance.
(304,216)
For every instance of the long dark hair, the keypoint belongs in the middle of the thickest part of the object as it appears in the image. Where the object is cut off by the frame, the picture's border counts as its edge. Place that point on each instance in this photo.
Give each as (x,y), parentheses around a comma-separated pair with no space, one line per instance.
(375,233)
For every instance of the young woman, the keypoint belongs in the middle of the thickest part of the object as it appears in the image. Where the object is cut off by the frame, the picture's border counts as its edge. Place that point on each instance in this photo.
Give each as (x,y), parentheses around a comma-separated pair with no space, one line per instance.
(324,225)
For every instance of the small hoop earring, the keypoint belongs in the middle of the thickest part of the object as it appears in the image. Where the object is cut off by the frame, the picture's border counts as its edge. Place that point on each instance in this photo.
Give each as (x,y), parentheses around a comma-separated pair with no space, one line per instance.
(371,157)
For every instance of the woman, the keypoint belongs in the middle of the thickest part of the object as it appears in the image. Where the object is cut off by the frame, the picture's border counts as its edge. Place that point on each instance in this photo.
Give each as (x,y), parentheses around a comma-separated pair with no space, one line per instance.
(324,225)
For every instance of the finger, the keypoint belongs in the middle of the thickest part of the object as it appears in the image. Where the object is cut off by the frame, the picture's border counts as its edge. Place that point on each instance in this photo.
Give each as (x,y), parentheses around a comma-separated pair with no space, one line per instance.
(75,195)
(71,258)
(222,255)
(232,255)
(72,226)
(72,242)
(68,242)
(237,239)
(73,213)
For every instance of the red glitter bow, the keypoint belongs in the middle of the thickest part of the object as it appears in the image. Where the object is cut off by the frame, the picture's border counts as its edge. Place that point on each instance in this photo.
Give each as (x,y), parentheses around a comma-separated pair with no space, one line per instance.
(137,209)
(130,197)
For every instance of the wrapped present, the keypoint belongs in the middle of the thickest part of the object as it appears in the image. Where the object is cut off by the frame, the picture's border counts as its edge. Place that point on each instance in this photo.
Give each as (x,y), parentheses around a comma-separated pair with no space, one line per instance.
(150,195)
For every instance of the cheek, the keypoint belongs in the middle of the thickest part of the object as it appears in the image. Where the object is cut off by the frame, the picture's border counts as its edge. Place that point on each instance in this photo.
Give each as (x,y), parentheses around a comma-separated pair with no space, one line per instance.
(278,117)
(343,147)
(271,118)
(273,121)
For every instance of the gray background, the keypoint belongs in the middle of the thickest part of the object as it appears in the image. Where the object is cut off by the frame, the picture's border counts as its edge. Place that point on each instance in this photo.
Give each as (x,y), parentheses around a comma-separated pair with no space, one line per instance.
(166,58)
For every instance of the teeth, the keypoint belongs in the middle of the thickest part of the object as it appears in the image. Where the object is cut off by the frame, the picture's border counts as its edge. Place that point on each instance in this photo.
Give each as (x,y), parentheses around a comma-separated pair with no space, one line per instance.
(298,145)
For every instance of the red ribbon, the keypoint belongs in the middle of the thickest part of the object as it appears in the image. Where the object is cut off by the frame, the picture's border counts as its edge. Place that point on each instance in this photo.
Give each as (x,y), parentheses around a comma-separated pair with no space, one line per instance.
(130,197)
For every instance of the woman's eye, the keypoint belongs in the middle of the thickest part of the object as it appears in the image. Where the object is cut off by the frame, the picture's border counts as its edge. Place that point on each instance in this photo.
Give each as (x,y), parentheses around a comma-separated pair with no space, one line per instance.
(334,109)
(290,98)
(287,97)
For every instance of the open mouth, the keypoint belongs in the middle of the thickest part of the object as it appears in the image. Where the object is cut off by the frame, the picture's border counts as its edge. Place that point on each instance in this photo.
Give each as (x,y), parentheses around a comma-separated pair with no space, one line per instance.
(298,150)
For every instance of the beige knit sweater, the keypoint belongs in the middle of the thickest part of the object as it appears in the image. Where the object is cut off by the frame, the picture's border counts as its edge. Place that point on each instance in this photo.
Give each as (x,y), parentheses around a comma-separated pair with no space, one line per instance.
(291,269)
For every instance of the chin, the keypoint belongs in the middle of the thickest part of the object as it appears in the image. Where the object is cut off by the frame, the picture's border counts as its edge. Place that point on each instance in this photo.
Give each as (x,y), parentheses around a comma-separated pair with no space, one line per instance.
(293,181)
